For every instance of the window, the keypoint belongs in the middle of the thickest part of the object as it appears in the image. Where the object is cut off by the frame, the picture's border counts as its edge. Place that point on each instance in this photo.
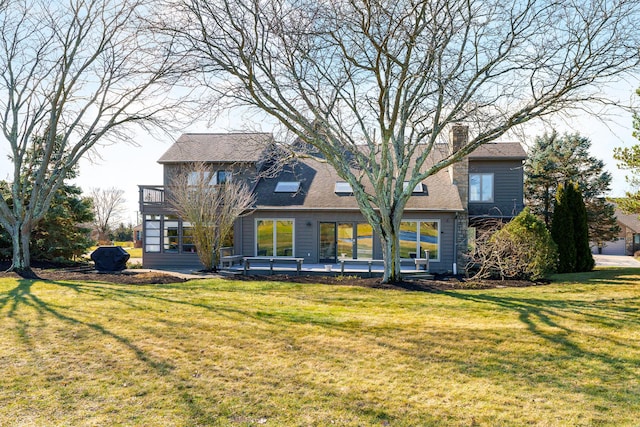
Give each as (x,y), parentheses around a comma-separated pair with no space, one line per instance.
(274,237)
(171,235)
(287,187)
(364,240)
(343,188)
(481,187)
(419,188)
(345,240)
(222,177)
(188,244)
(152,233)
(168,234)
(416,237)
(215,178)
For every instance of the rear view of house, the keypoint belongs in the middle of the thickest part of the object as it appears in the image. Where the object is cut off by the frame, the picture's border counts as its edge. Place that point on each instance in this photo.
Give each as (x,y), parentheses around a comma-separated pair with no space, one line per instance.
(305,210)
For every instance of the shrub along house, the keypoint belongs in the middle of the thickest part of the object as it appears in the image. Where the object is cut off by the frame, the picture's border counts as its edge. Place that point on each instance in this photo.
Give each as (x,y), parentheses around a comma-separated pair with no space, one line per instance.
(305,210)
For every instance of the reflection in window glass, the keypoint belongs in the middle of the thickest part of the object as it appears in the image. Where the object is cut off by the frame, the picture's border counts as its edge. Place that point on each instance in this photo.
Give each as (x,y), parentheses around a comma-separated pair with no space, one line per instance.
(408,232)
(188,245)
(284,238)
(171,236)
(364,241)
(274,237)
(416,237)
(264,242)
(345,240)
(481,187)
(429,239)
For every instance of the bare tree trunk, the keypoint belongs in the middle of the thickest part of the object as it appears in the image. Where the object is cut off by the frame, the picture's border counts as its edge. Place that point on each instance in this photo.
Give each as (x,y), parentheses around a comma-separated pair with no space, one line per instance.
(21,265)
(391,254)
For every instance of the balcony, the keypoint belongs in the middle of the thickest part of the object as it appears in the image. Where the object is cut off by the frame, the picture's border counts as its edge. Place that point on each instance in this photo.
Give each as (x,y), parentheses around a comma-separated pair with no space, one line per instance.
(152,197)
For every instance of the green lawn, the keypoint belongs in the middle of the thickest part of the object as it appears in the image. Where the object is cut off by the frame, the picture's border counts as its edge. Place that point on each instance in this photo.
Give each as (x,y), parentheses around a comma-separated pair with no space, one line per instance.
(215,352)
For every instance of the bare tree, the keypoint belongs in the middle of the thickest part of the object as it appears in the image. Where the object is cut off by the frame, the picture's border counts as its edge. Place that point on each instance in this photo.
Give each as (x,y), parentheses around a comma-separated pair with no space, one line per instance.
(210,209)
(81,71)
(373,85)
(108,207)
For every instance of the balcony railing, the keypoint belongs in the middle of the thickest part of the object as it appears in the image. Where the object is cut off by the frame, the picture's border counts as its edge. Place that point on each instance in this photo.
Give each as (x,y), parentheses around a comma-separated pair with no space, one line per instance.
(152,195)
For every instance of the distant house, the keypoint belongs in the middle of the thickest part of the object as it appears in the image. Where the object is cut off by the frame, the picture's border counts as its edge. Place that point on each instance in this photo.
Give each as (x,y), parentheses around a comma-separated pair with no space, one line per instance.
(628,240)
(307,211)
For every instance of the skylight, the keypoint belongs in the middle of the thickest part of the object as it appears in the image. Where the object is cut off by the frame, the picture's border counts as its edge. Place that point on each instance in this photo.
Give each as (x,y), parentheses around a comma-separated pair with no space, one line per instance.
(419,188)
(343,188)
(287,187)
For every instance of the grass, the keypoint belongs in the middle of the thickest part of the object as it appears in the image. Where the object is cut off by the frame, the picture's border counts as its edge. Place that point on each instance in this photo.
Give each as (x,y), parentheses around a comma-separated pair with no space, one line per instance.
(213,352)
(127,246)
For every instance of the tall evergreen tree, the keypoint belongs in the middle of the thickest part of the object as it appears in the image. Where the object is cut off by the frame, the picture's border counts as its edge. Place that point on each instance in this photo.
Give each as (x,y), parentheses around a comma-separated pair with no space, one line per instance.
(562,232)
(59,234)
(629,158)
(558,159)
(63,233)
(570,231)
(584,259)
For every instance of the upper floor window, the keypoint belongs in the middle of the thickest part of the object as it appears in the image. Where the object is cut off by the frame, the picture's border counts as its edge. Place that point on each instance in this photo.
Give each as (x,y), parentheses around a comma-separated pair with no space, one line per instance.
(215,178)
(481,187)
(222,177)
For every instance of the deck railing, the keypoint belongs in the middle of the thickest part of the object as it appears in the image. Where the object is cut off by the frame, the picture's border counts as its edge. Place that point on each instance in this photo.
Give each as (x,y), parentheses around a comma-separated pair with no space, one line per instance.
(152,195)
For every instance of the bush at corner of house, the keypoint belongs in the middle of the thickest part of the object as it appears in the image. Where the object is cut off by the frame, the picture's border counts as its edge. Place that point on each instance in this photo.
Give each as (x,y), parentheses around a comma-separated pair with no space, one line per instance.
(528,251)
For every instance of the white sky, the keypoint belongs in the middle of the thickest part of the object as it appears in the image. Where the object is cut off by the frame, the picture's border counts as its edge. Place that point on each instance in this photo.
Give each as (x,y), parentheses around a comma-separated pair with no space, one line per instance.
(124,166)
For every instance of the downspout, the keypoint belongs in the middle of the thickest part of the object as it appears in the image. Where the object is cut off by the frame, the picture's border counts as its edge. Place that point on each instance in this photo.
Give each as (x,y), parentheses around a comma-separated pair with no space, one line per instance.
(455,245)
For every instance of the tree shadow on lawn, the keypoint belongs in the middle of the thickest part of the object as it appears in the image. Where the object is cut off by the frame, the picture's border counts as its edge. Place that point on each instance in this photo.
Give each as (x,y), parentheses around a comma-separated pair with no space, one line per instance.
(21,295)
(548,319)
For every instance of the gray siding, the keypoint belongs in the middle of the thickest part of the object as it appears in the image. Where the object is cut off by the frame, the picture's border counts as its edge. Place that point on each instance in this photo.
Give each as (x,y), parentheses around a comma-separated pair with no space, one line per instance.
(171,261)
(245,172)
(307,233)
(508,188)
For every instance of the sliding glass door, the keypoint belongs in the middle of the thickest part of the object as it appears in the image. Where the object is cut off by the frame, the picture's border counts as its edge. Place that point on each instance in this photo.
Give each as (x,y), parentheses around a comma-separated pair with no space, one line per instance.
(345,240)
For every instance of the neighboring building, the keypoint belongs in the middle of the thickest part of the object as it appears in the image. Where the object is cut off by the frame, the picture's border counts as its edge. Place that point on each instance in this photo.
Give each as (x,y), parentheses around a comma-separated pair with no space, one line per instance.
(305,210)
(628,240)
(137,236)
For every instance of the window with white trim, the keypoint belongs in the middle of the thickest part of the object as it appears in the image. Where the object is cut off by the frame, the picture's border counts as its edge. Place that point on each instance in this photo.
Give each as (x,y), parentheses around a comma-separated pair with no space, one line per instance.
(481,187)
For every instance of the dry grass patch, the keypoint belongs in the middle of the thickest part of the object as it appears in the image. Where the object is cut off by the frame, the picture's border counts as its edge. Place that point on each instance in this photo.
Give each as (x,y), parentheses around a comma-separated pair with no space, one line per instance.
(215,352)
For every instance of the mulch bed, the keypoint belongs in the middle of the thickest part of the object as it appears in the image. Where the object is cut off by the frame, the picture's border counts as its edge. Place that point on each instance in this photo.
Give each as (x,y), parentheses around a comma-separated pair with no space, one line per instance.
(84,273)
(56,272)
(439,283)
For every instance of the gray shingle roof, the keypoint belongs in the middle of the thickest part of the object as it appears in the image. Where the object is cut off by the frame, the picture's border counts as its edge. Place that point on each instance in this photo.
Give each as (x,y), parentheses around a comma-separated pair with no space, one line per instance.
(499,151)
(631,221)
(317,191)
(217,147)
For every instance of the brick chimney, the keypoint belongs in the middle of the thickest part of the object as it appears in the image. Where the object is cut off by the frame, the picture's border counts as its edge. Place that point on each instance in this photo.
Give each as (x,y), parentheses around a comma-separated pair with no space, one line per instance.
(459,173)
